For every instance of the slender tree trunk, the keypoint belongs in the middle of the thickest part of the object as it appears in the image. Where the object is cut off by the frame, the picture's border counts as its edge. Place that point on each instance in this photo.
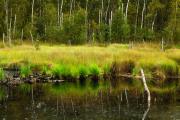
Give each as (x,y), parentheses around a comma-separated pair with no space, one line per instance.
(127,6)
(7,18)
(4,40)
(86,20)
(32,14)
(122,9)
(107,9)
(22,35)
(70,12)
(10,27)
(110,25)
(175,24)
(102,10)
(142,19)
(32,40)
(14,29)
(137,13)
(61,13)
(153,22)
(58,14)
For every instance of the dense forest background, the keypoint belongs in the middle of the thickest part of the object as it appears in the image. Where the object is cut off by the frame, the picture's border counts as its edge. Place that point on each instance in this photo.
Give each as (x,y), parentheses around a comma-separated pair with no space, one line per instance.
(90,21)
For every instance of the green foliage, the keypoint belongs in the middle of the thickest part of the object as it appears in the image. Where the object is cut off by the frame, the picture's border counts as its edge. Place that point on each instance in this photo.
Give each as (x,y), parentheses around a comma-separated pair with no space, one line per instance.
(25,70)
(106,68)
(163,15)
(83,70)
(94,70)
(61,71)
(2,75)
(74,29)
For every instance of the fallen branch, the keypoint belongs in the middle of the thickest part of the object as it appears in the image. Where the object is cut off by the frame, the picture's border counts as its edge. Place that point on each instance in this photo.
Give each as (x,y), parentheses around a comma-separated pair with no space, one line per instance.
(146,87)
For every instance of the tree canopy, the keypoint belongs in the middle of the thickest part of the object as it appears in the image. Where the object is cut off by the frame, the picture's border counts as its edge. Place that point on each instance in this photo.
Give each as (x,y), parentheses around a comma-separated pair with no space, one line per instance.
(86,21)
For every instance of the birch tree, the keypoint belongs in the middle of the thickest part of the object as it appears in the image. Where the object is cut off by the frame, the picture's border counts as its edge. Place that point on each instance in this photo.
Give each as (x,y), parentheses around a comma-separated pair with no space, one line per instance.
(143,10)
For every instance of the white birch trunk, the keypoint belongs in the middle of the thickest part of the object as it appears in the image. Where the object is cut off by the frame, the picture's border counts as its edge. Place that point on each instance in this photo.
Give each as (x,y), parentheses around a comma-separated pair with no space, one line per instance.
(14,29)
(58,13)
(102,10)
(7,18)
(32,40)
(122,9)
(70,12)
(110,24)
(142,19)
(86,20)
(153,22)
(22,35)
(9,33)
(107,9)
(32,14)
(162,45)
(137,12)
(4,40)
(61,13)
(127,6)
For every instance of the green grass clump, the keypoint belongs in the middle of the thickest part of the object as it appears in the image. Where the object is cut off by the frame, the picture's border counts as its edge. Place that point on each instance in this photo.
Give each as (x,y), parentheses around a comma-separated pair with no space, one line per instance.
(61,71)
(25,71)
(106,69)
(45,70)
(2,75)
(83,71)
(94,70)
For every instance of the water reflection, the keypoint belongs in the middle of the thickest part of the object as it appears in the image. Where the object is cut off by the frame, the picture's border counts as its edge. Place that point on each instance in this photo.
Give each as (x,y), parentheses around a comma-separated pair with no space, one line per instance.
(105,100)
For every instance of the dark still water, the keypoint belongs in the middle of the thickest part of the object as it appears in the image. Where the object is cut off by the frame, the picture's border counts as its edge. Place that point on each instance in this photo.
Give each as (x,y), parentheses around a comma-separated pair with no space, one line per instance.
(88,101)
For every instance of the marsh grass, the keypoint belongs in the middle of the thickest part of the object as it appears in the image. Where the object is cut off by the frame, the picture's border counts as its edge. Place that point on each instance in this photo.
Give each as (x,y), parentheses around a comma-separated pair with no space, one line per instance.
(25,71)
(64,61)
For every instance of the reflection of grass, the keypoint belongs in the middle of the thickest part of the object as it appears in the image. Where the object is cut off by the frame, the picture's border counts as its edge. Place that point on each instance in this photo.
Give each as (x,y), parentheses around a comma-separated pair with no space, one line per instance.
(70,89)
(163,90)
(25,88)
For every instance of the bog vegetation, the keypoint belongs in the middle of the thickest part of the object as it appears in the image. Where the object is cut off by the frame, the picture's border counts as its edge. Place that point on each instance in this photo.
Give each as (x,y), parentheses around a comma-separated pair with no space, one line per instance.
(75,62)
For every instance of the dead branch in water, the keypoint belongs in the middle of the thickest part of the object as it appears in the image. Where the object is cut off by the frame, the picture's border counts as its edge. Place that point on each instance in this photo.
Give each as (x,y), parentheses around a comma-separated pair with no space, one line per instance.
(146,87)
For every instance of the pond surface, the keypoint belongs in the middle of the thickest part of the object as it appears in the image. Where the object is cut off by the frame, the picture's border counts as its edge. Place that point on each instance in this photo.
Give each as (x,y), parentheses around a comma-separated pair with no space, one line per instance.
(87,101)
